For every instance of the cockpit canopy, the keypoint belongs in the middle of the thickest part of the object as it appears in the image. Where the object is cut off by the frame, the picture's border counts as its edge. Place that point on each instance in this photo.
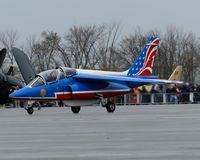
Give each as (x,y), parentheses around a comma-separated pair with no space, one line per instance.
(68,71)
(52,75)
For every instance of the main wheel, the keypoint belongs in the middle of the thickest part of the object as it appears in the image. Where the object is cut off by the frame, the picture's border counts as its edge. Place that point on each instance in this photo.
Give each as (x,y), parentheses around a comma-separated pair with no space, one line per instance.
(76,109)
(30,110)
(110,107)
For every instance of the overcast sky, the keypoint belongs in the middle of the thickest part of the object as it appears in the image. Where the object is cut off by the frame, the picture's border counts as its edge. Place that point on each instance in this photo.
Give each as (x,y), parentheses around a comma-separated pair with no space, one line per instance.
(30,17)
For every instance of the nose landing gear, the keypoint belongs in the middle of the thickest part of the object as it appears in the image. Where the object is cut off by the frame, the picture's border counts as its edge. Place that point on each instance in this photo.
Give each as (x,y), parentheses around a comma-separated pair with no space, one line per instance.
(30,110)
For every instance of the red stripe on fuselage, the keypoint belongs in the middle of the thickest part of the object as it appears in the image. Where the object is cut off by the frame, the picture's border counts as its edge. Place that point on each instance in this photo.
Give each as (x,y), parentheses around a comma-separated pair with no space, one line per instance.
(70,96)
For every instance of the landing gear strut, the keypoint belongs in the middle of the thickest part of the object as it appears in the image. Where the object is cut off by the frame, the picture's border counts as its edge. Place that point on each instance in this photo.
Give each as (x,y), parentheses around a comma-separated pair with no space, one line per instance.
(76,109)
(110,107)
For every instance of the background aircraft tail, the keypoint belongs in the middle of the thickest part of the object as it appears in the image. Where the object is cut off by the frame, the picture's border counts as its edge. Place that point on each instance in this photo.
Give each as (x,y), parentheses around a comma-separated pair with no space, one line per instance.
(145,61)
(2,56)
(176,75)
(26,69)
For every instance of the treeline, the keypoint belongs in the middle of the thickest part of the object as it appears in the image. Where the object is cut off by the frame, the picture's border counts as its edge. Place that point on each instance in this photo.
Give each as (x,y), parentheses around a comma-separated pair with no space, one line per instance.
(103,47)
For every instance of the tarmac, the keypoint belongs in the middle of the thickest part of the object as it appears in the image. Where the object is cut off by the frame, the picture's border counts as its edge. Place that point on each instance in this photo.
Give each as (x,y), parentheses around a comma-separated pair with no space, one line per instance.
(148,132)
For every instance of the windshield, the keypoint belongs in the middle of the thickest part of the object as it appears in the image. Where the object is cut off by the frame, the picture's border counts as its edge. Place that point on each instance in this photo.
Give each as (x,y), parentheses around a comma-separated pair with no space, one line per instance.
(50,75)
(38,81)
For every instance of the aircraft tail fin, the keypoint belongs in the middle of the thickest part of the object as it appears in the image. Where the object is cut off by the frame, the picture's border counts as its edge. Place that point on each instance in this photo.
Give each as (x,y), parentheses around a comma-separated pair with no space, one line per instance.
(176,75)
(26,69)
(2,56)
(143,66)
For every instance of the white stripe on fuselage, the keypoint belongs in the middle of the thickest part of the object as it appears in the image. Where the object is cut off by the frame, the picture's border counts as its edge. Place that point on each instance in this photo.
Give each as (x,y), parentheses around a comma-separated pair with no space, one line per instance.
(96,91)
(99,72)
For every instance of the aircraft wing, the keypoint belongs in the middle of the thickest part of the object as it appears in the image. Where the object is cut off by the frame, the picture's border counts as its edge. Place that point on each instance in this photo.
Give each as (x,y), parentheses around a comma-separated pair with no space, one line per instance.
(2,56)
(26,69)
(108,78)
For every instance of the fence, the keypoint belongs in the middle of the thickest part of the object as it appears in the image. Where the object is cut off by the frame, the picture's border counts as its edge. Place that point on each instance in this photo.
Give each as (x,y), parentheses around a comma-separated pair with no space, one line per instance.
(157,98)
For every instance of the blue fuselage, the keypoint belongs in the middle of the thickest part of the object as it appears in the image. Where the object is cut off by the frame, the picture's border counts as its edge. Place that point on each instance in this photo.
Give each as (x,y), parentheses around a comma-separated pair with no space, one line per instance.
(70,88)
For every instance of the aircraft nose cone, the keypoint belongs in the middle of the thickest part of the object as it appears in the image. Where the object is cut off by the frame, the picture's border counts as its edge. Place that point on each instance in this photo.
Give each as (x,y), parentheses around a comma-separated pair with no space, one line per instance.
(14,94)
(19,94)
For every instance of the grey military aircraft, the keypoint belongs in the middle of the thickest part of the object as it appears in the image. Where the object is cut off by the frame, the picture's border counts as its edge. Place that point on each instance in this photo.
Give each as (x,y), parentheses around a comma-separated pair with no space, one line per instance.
(8,83)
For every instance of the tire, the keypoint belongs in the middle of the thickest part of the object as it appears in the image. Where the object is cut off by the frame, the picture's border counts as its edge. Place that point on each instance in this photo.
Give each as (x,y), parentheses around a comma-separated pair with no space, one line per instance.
(110,107)
(76,109)
(30,110)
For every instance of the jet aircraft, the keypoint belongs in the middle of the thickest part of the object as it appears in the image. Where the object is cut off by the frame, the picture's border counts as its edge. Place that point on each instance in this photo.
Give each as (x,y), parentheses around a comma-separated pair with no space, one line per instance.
(78,87)
(8,83)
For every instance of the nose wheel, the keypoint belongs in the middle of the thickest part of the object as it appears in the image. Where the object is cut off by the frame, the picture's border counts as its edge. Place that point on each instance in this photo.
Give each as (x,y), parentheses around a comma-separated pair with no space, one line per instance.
(30,110)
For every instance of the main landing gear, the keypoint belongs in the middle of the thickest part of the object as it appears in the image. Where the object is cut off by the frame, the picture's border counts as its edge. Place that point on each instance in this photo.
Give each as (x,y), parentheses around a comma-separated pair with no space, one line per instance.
(110,107)
(76,109)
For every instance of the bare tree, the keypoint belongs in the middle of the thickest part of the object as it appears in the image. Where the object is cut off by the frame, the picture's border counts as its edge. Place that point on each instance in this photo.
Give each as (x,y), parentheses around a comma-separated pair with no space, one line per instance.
(189,56)
(28,47)
(45,51)
(178,48)
(9,39)
(80,43)
(107,47)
